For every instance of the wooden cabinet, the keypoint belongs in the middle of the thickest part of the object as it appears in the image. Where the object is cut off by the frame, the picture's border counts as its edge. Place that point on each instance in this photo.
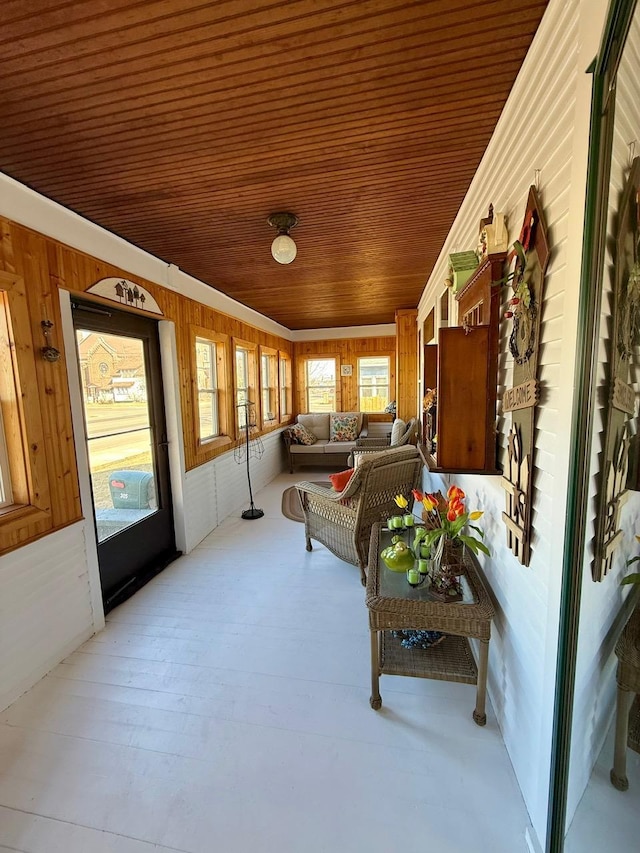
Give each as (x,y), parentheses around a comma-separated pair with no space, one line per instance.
(468,377)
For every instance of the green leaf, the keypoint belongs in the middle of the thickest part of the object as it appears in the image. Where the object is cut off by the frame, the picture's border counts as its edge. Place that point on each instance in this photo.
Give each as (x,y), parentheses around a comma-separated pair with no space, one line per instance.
(635,578)
(474,544)
(633,560)
(518,248)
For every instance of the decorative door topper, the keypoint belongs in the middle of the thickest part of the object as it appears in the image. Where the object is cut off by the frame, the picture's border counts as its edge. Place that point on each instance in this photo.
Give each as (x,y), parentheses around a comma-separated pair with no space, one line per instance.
(529,261)
(125,293)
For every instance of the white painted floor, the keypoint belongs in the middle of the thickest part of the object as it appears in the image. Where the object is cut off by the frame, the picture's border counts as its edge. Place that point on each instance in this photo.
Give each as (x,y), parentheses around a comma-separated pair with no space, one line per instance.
(225,709)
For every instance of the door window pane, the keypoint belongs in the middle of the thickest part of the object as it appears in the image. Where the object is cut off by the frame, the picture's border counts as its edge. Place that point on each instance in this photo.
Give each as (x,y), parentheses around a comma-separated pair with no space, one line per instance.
(119,437)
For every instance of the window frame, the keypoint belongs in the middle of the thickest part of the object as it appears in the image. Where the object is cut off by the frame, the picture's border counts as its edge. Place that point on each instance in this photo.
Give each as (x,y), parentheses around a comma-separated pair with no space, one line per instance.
(285,386)
(221,344)
(30,507)
(251,349)
(271,388)
(322,357)
(359,385)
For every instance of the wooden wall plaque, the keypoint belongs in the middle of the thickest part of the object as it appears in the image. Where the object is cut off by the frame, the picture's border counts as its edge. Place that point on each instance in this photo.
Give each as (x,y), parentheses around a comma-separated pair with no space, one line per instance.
(527,283)
(621,395)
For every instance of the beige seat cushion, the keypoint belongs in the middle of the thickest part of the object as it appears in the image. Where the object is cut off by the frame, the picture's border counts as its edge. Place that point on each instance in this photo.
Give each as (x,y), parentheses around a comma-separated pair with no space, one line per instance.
(339,446)
(318,447)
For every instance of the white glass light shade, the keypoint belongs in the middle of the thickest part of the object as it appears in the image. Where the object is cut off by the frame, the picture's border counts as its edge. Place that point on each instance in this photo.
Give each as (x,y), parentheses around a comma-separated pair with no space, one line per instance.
(283,249)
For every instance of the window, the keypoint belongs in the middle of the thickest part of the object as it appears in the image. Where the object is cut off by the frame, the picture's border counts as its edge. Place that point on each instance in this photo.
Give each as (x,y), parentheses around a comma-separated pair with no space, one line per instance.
(211,400)
(245,385)
(286,395)
(321,383)
(6,495)
(269,385)
(373,383)
(25,505)
(207,385)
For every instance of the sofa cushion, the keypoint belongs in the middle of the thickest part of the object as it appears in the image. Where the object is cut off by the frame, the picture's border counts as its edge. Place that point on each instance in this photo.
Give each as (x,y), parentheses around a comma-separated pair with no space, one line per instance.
(397,430)
(339,446)
(317,422)
(300,434)
(340,480)
(343,427)
(318,447)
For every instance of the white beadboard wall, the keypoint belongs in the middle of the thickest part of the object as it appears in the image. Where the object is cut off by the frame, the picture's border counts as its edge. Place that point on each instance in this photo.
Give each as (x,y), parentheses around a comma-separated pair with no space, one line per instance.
(45,608)
(544,126)
(601,613)
(219,488)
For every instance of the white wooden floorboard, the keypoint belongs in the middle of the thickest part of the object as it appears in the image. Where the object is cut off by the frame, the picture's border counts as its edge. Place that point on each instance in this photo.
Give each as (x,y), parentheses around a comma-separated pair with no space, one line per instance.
(225,709)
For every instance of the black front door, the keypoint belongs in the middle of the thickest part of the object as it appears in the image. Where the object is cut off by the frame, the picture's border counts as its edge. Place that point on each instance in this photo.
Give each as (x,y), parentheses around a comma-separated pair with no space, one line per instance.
(121,379)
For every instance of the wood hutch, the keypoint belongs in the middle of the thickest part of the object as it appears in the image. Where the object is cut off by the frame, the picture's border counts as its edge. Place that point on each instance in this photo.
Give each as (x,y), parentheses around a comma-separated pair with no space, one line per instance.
(467,377)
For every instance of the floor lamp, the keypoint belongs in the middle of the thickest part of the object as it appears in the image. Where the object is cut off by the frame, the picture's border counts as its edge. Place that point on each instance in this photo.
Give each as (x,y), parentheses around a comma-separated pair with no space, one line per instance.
(249,449)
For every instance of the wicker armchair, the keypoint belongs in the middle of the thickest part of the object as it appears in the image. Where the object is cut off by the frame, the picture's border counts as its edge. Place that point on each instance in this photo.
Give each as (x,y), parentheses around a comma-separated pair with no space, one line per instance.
(375,445)
(342,520)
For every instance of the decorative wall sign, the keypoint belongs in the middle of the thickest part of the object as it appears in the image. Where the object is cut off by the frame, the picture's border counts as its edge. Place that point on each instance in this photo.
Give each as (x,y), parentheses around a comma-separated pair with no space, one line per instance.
(621,397)
(346,370)
(528,264)
(125,293)
(522,396)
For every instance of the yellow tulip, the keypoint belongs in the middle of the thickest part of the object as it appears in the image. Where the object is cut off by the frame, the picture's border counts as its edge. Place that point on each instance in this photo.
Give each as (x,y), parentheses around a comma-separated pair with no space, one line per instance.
(428,503)
(401,501)
(474,516)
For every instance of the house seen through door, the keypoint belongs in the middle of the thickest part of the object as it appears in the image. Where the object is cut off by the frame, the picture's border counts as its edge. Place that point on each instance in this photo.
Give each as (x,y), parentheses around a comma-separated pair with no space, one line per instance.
(125,431)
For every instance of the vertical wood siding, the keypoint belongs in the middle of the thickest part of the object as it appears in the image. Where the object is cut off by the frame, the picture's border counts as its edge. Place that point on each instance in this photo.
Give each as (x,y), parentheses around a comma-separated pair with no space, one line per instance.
(345,351)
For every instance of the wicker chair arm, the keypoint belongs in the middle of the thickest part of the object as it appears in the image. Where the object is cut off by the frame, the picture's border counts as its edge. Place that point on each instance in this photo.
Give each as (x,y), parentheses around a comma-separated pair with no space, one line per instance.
(381,441)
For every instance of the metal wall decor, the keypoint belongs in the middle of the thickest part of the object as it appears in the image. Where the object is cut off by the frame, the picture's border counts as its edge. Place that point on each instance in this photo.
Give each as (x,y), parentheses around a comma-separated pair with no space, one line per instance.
(621,398)
(528,260)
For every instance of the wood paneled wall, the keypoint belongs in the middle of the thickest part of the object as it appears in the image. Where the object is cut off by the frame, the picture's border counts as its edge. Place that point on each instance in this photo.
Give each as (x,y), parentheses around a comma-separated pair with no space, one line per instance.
(345,351)
(407,362)
(46,265)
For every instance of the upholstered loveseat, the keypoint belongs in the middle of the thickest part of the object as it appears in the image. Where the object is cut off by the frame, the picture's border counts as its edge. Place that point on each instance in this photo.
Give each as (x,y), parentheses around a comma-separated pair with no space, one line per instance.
(333,436)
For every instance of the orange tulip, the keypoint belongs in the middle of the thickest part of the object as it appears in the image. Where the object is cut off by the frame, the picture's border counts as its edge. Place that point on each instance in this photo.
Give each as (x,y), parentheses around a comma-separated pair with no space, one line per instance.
(417,495)
(451,515)
(455,492)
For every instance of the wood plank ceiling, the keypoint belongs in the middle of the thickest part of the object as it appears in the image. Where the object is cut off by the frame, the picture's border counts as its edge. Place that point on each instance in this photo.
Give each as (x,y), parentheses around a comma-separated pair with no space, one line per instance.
(182,124)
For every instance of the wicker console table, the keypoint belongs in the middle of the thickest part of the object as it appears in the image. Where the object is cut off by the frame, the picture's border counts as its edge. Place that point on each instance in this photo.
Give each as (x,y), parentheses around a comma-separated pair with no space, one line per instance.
(394,605)
(628,679)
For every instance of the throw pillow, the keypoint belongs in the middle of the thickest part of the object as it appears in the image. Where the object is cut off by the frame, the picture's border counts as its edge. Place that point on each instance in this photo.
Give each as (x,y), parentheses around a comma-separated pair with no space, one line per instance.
(397,431)
(301,435)
(343,428)
(340,480)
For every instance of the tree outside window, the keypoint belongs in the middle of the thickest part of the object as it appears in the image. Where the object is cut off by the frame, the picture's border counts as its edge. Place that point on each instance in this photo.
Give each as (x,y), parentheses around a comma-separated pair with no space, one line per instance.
(321,384)
(373,383)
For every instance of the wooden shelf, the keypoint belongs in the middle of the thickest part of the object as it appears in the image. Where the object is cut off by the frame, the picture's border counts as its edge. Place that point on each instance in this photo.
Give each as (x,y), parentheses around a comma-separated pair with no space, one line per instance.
(430,461)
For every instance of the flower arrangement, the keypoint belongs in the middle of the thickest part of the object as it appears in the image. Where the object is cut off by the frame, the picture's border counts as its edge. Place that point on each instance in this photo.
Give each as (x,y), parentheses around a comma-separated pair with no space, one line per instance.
(447,518)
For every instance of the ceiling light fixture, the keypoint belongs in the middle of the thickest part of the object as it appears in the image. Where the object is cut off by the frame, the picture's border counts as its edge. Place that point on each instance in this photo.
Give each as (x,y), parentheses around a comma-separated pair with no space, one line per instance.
(283,248)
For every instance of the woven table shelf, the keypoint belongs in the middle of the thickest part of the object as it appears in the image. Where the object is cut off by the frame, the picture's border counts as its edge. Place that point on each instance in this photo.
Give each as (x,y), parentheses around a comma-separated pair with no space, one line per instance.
(450,660)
